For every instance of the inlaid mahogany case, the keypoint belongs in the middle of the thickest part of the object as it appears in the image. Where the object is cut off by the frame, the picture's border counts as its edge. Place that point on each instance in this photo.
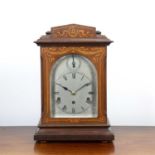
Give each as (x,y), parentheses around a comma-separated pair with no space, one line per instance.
(85,41)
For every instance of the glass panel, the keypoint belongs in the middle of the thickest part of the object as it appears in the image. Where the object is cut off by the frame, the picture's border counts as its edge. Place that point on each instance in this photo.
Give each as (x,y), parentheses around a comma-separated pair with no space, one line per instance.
(73,82)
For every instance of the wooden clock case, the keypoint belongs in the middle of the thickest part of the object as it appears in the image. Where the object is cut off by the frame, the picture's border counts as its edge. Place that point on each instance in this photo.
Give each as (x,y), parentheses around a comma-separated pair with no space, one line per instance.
(87,42)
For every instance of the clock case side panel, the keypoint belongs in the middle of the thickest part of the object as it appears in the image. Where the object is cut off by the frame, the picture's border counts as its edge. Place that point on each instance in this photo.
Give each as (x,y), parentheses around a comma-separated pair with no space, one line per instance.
(48,56)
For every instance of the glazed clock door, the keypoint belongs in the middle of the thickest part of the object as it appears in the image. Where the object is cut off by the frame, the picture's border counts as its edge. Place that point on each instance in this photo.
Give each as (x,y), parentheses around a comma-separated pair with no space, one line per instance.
(73,88)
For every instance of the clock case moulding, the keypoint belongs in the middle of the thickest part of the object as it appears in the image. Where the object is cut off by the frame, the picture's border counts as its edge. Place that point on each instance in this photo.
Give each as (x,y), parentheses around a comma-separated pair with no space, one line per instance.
(86,41)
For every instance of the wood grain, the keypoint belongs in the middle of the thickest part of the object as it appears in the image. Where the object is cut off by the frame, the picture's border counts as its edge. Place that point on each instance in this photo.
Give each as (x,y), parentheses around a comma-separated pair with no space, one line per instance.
(97,55)
(74,134)
(128,141)
(87,42)
(73,31)
(73,34)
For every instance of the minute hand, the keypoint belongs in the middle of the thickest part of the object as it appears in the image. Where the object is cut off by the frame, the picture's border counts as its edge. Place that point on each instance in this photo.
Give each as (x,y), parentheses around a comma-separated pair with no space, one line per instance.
(87,84)
(65,88)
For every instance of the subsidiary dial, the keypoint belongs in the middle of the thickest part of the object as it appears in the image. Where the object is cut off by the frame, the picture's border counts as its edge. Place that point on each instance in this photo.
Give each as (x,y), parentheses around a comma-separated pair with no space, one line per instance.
(73,62)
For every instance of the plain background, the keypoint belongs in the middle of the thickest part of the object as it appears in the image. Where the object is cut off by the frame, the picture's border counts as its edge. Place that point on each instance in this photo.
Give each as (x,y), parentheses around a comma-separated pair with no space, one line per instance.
(131,58)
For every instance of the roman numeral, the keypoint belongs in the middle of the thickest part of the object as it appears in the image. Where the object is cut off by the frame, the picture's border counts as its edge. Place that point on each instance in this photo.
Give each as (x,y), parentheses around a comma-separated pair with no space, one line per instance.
(82,77)
(73,75)
(73,110)
(91,92)
(58,100)
(65,77)
(88,100)
(64,107)
(56,92)
(73,102)
(82,108)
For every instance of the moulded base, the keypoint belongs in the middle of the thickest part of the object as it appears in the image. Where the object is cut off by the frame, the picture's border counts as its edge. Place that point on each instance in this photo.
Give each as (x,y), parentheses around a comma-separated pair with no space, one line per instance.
(74,134)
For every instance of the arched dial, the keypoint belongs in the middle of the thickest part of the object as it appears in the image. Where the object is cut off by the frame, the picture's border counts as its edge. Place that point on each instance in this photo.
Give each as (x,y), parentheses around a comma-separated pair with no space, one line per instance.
(73,93)
(74,88)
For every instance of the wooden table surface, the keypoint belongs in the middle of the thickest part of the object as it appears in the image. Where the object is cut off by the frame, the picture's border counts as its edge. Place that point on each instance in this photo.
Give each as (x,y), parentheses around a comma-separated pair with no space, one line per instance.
(128,141)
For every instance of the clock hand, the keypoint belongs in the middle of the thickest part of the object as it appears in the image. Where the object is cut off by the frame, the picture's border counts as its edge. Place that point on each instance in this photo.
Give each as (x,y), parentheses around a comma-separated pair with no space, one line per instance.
(87,84)
(65,88)
(73,63)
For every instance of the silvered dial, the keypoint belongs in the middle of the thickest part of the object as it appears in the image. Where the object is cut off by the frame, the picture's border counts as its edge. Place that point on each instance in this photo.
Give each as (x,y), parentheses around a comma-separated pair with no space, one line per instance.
(74,88)
(73,92)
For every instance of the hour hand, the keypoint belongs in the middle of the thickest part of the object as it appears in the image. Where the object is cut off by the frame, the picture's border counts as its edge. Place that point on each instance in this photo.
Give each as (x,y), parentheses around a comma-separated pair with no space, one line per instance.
(65,88)
(87,84)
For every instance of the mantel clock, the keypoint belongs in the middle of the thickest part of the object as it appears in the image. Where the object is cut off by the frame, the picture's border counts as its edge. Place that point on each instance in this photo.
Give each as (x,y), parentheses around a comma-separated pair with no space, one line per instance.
(73,85)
